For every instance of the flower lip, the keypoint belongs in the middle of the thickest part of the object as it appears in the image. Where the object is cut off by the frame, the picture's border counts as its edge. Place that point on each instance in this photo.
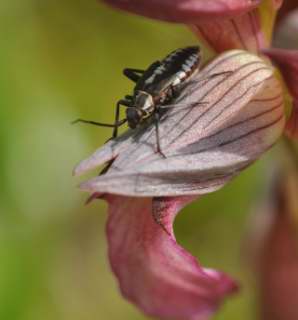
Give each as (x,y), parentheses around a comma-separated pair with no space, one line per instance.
(150,265)
(185,11)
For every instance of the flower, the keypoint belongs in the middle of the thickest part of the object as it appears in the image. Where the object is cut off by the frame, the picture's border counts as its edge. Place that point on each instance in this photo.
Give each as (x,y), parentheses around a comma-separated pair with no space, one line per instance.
(206,145)
(227,24)
(275,248)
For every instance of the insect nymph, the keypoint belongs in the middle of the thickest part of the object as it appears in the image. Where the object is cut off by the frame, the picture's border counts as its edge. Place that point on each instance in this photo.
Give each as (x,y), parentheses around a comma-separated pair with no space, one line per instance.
(156,87)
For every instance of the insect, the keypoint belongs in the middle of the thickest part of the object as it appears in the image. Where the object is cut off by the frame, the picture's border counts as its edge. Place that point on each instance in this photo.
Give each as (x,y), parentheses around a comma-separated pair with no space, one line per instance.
(154,89)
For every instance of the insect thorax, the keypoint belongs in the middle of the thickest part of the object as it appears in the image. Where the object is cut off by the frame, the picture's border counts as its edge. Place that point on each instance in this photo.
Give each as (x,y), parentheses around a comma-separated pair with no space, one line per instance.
(161,81)
(143,107)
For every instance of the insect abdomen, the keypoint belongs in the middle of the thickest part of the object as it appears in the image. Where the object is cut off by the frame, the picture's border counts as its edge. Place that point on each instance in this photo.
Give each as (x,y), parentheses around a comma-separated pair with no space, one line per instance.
(173,69)
(186,59)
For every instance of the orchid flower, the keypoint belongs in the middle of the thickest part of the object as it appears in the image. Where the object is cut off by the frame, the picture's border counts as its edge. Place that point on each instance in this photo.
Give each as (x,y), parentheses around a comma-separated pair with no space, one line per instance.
(274,247)
(206,145)
(230,24)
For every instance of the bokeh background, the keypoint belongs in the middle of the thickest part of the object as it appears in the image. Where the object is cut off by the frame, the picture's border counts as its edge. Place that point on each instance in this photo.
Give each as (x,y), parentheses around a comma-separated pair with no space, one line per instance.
(60,60)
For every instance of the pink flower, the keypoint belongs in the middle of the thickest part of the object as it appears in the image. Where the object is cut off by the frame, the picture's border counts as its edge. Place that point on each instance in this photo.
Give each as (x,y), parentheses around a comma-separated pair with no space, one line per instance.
(205,148)
(227,24)
(276,249)
(242,117)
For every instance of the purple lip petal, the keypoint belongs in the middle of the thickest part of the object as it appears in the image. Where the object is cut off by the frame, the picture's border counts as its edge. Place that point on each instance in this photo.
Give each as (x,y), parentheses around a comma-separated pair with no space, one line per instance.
(241,32)
(153,271)
(287,61)
(185,11)
(205,145)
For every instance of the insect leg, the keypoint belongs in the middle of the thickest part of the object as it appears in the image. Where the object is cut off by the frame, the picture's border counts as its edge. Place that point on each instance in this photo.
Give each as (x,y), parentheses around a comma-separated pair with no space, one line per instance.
(122,102)
(100,124)
(219,74)
(107,167)
(141,71)
(157,118)
(182,106)
(133,74)
(211,76)
(125,103)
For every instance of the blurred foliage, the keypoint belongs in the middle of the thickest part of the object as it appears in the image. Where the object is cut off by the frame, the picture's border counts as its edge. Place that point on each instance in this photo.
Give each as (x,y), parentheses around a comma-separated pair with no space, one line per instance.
(61,60)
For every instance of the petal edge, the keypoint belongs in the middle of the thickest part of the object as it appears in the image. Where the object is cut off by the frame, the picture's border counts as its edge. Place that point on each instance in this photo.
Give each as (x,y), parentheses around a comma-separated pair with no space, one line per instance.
(184,11)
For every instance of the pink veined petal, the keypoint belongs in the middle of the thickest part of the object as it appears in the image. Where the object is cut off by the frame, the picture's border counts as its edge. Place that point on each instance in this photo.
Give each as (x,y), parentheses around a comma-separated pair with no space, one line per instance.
(232,112)
(153,271)
(287,61)
(206,145)
(185,11)
(240,32)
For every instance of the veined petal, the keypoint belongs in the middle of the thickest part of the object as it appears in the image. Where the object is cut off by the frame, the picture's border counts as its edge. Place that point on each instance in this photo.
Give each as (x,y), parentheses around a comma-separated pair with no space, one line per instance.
(287,61)
(153,271)
(239,32)
(251,31)
(185,11)
(235,114)
(109,151)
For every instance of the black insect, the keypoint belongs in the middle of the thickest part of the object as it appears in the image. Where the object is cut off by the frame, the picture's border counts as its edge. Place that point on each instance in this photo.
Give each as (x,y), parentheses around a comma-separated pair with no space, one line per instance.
(155,88)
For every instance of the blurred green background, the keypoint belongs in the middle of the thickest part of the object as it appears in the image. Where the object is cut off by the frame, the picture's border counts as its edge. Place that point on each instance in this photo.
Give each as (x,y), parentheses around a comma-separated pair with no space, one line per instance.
(61,60)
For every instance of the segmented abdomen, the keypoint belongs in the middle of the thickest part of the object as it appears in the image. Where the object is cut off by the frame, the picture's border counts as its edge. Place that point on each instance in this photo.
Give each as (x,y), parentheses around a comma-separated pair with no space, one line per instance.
(173,69)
